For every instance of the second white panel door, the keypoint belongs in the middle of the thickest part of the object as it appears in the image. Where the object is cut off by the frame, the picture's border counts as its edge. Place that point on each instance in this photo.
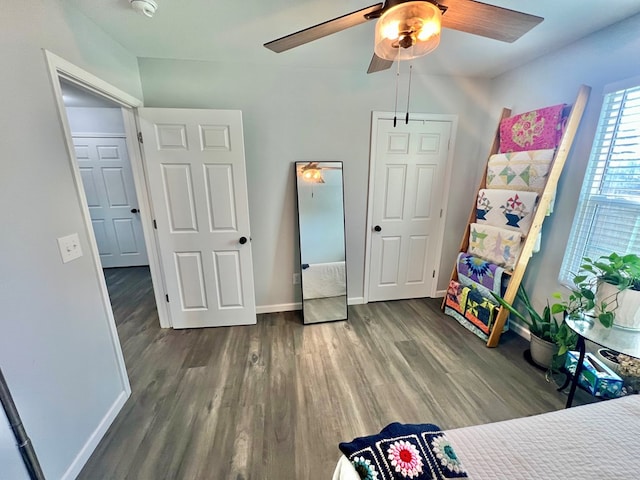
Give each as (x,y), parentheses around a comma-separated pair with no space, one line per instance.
(408,186)
(111,196)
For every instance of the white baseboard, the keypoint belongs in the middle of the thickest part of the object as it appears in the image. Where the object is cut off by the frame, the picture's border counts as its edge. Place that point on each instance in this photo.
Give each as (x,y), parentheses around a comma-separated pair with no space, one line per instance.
(521,330)
(92,442)
(440,293)
(289,307)
(281,307)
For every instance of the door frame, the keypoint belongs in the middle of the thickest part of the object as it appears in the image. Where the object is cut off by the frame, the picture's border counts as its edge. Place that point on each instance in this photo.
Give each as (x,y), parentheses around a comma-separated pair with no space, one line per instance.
(375,116)
(61,68)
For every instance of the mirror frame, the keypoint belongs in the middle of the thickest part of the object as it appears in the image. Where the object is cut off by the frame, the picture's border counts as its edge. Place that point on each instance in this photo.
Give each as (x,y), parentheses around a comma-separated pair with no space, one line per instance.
(296,166)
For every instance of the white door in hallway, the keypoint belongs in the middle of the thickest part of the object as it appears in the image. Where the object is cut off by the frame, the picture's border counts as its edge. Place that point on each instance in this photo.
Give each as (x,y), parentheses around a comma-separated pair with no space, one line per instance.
(197,181)
(406,202)
(111,196)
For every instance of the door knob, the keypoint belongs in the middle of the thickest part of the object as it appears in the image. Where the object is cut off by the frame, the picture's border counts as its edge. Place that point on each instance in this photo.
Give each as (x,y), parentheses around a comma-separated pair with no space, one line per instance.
(134,210)
(377,228)
(243,240)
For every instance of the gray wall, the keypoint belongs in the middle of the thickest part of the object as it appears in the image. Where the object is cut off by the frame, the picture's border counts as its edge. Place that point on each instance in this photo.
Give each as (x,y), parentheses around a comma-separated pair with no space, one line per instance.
(608,56)
(296,114)
(55,346)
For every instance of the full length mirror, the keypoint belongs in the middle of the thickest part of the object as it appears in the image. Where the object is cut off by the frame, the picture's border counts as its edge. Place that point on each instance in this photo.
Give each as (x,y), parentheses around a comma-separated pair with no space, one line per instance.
(322,245)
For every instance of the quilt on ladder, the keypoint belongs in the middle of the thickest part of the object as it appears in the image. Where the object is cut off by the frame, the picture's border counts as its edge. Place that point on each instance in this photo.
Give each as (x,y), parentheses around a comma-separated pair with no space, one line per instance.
(497,245)
(525,171)
(510,209)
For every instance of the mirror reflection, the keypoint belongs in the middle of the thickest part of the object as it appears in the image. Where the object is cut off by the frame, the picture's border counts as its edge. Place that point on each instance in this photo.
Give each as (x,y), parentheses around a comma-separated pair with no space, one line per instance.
(322,245)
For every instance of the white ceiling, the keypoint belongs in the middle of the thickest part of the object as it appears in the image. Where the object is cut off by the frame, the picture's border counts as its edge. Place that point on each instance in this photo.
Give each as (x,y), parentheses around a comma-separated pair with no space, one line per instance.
(235,30)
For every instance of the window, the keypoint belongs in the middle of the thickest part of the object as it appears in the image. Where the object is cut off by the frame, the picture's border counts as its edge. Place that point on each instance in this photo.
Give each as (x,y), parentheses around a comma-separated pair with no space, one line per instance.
(608,213)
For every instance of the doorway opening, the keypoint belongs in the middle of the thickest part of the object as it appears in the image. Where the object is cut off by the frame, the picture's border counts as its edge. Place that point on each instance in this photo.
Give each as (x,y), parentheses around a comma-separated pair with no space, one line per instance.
(127,188)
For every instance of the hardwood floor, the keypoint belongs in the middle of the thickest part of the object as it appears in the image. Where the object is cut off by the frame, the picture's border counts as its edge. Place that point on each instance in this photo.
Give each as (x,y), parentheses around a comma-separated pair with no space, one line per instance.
(272,401)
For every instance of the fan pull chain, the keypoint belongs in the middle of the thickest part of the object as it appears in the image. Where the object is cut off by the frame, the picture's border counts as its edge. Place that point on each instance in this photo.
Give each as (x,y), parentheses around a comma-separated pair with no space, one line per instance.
(406,120)
(395,108)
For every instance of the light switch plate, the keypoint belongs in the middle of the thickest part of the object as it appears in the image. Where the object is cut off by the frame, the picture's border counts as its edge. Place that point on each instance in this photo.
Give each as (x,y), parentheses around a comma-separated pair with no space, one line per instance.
(69,247)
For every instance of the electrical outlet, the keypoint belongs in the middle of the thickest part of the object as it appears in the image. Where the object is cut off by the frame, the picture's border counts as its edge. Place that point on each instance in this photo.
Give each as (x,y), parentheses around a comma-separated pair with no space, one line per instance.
(296,279)
(69,247)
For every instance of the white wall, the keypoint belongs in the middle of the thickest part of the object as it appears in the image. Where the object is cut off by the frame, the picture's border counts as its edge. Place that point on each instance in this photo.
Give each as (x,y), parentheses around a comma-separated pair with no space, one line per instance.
(55,346)
(95,120)
(605,57)
(296,114)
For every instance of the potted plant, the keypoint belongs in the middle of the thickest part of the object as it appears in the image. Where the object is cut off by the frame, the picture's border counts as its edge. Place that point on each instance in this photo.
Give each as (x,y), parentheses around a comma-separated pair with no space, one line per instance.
(551,338)
(608,289)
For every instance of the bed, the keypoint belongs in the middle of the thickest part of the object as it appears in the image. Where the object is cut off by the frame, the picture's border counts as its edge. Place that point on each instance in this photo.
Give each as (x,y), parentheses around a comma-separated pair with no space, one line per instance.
(595,441)
(322,280)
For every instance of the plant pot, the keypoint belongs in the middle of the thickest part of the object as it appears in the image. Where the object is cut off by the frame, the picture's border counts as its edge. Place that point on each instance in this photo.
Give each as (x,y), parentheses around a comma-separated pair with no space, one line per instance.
(609,358)
(542,352)
(627,313)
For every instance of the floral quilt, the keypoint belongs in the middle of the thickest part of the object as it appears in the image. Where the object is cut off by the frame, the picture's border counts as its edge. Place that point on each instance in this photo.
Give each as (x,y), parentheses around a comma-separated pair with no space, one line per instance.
(402,451)
(532,130)
(497,245)
(510,209)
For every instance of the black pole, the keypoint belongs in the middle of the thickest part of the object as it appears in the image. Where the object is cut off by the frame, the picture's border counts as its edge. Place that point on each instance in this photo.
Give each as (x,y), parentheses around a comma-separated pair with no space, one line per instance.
(22,439)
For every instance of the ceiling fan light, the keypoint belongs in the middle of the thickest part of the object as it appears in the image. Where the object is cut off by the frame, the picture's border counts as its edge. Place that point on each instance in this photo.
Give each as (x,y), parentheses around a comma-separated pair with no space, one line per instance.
(428,30)
(390,30)
(416,24)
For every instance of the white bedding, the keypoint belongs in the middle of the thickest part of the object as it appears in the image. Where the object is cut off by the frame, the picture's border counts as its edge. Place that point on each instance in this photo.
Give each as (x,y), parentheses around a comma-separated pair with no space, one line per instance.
(321,280)
(596,441)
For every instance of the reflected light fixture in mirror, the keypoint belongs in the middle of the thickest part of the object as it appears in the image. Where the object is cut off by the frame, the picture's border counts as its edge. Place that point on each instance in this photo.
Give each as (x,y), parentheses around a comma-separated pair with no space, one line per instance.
(408,30)
(311,173)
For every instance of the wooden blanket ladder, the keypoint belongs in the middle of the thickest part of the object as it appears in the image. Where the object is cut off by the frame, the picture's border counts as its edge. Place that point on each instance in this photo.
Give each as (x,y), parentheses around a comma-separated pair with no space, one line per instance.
(561,154)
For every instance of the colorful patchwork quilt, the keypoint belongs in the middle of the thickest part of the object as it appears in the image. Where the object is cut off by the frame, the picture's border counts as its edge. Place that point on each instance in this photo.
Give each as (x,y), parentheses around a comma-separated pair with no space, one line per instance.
(400,451)
(471,309)
(479,273)
(510,209)
(526,171)
(497,245)
(533,130)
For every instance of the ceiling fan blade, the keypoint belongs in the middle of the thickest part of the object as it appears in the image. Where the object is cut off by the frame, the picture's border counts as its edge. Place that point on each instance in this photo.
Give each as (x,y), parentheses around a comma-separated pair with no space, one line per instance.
(378,64)
(322,30)
(487,20)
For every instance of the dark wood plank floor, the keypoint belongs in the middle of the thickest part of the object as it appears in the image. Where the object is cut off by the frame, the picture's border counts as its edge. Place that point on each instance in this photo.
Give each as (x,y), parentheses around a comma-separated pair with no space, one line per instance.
(272,401)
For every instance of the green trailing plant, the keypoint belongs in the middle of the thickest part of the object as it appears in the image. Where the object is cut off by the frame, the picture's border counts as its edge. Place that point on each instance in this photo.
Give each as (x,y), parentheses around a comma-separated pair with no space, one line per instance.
(543,325)
(622,271)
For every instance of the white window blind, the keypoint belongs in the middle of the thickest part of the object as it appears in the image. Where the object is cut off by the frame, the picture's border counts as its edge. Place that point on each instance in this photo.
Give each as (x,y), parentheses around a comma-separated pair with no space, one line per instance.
(608,214)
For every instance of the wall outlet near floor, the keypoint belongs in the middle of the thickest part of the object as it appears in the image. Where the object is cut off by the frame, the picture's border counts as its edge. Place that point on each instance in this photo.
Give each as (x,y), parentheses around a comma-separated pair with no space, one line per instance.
(296,279)
(69,247)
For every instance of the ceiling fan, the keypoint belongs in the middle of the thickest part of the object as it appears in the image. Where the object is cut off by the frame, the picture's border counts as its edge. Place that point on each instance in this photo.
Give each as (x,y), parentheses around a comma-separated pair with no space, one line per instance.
(409,29)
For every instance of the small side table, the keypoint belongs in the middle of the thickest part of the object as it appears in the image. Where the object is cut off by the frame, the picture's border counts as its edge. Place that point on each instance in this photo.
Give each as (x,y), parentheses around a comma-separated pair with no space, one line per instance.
(616,338)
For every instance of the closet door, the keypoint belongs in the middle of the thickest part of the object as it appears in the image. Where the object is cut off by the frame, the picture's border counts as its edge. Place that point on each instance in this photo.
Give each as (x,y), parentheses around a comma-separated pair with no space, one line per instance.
(407,206)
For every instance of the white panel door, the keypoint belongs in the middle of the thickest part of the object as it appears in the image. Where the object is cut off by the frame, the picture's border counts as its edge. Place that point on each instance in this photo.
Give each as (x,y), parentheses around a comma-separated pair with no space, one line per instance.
(197,182)
(108,184)
(410,171)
